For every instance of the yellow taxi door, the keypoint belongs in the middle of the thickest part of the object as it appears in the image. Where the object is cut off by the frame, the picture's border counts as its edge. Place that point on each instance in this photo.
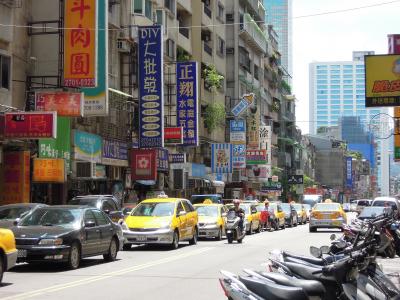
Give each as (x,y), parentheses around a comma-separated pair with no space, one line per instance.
(182,218)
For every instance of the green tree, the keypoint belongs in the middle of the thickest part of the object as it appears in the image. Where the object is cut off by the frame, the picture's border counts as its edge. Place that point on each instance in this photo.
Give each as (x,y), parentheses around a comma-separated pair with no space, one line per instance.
(215,116)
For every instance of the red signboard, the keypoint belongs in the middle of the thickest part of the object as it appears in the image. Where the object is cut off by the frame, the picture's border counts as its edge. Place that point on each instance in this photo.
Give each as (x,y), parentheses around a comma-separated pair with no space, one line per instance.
(144,164)
(173,135)
(30,125)
(64,103)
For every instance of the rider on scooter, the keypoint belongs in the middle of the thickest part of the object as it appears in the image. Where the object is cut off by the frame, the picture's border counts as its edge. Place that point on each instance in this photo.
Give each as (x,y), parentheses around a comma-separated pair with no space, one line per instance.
(238,211)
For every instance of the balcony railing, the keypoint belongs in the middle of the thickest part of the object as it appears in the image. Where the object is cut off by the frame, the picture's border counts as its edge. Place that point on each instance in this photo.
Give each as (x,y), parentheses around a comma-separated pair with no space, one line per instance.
(207,11)
(253,34)
(207,49)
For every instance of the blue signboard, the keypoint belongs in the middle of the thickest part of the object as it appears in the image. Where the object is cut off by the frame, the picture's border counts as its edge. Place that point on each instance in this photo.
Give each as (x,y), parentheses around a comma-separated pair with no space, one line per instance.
(221,158)
(238,125)
(151,94)
(87,146)
(238,131)
(349,172)
(239,156)
(177,158)
(187,102)
(240,107)
(162,160)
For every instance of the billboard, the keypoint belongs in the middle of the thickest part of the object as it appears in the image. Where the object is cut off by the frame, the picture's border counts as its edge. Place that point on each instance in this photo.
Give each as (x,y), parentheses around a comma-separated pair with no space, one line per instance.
(87,146)
(144,164)
(80,43)
(266,141)
(221,158)
(49,170)
(173,135)
(66,104)
(187,101)
(151,91)
(115,153)
(30,125)
(96,98)
(256,157)
(162,160)
(382,80)
(239,156)
(237,131)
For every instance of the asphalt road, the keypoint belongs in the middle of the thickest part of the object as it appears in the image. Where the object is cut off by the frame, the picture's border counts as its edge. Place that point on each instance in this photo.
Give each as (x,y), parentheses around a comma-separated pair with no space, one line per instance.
(190,272)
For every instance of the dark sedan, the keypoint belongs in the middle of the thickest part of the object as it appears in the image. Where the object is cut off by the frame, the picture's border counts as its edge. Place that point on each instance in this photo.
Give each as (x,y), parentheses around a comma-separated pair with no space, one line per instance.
(107,203)
(67,234)
(290,214)
(11,213)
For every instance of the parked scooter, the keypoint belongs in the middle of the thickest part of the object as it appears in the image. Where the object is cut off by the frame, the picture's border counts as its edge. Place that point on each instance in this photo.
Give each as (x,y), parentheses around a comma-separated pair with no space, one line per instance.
(232,228)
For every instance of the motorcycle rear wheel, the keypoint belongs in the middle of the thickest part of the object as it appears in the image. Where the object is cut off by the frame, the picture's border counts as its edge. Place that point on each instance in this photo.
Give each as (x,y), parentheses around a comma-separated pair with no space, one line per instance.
(390,251)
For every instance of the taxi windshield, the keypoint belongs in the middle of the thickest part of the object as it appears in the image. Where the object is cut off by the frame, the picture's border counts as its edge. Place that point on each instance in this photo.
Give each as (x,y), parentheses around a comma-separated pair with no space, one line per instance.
(208,211)
(154,209)
(326,206)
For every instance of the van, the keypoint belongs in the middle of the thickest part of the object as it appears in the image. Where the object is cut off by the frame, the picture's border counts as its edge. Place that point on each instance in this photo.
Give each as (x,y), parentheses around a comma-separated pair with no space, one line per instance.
(311,199)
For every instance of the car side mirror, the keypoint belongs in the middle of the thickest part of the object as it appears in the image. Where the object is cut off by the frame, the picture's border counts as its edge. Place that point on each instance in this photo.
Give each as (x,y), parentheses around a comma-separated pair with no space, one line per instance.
(16,221)
(90,224)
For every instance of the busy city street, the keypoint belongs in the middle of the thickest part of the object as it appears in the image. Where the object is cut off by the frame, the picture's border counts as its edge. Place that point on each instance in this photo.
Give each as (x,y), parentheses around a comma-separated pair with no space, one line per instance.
(190,272)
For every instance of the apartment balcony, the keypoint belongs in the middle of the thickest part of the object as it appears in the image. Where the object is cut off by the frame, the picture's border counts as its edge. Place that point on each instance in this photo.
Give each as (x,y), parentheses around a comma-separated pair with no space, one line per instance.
(253,35)
(255,7)
(186,5)
(184,39)
(207,56)
(206,17)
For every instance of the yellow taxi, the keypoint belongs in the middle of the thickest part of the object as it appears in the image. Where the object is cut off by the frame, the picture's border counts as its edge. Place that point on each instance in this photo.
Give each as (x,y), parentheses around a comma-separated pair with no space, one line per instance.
(8,251)
(301,213)
(327,215)
(252,217)
(212,220)
(278,215)
(161,220)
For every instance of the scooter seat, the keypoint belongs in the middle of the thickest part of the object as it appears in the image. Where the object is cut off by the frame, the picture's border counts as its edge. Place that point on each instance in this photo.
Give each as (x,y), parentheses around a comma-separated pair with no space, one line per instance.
(312,260)
(300,261)
(308,272)
(311,287)
(273,291)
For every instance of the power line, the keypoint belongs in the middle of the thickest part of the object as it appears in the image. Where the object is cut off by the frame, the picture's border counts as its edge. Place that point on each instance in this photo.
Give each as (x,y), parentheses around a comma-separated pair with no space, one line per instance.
(203,26)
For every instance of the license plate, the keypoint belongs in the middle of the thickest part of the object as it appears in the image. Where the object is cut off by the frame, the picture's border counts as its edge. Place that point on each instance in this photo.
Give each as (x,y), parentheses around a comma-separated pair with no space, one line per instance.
(22,253)
(141,238)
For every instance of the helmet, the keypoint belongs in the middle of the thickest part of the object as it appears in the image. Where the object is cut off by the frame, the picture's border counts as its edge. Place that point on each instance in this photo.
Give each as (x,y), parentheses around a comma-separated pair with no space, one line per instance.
(236,201)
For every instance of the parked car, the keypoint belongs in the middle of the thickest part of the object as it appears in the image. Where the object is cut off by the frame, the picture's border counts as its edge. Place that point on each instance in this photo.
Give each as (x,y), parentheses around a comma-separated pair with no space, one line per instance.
(127,209)
(327,215)
(371,212)
(361,203)
(161,220)
(301,213)
(107,203)
(67,233)
(212,220)
(389,202)
(347,207)
(277,215)
(12,213)
(252,218)
(8,251)
(290,214)
(214,198)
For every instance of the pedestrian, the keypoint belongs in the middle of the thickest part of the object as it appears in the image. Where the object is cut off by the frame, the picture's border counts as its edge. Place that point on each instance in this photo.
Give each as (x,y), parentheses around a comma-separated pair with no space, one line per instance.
(265,214)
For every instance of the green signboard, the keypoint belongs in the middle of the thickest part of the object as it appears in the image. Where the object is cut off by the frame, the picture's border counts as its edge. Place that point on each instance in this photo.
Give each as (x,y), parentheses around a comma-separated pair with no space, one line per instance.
(61,146)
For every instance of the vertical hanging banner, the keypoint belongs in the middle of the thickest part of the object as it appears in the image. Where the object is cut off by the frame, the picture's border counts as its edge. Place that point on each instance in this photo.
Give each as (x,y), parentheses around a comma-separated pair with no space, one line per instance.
(221,158)
(266,141)
(349,172)
(96,99)
(253,130)
(151,91)
(80,43)
(187,102)
(397,134)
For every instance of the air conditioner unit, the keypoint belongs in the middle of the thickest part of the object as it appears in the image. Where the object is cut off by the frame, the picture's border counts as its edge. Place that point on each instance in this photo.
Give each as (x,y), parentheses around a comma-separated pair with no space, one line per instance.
(230,18)
(230,50)
(123,45)
(83,169)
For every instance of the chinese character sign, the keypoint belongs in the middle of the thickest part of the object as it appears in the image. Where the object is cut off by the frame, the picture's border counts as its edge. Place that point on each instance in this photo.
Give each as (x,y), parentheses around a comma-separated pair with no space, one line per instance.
(187,101)
(80,43)
(115,153)
(253,130)
(239,156)
(266,141)
(49,170)
(162,160)
(238,132)
(64,103)
(221,158)
(144,164)
(256,157)
(87,146)
(397,134)
(151,94)
(61,146)
(30,125)
(349,172)
(177,158)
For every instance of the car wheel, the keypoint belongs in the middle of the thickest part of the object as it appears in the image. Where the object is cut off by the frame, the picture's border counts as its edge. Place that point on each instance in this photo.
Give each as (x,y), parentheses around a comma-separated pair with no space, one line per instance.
(230,239)
(219,236)
(1,268)
(127,247)
(312,229)
(175,241)
(112,251)
(74,257)
(193,240)
(251,229)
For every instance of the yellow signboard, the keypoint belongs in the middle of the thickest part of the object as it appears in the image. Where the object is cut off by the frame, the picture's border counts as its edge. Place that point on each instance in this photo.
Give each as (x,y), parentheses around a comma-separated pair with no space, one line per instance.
(382,80)
(49,170)
(80,43)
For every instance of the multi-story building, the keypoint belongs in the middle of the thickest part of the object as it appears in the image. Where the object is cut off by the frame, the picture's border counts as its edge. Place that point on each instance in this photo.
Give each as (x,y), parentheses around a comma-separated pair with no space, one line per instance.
(337,88)
(279,15)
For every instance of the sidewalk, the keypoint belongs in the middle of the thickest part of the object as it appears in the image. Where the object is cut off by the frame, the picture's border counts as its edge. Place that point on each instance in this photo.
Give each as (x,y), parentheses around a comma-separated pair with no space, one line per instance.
(391,266)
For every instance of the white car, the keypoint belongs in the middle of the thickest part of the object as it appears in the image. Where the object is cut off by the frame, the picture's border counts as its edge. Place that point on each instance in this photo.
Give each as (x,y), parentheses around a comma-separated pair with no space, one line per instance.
(389,201)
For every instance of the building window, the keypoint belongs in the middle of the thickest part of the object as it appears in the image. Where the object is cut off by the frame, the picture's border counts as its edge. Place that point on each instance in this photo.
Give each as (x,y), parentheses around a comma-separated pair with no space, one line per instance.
(347,81)
(335,106)
(347,76)
(221,13)
(348,71)
(322,81)
(336,92)
(335,67)
(323,67)
(347,96)
(221,46)
(170,4)
(347,86)
(138,6)
(335,71)
(334,87)
(348,66)
(348,92)
(320,97)
(322,86)
(170,48)
(5,67)
(148,11)
(319,72)
(335,81)
(143,7)
(335,76)
(244,59)
(335,97)
(347,101)
(256,72)
(335,101)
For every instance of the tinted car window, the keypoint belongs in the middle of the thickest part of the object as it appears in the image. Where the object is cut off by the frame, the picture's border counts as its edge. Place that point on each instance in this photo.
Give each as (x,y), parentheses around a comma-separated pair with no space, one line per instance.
(100,218)
(388,203)
(363,203)
(53,217)
(197,199)
(108,205)
(89,217)
(89,201)
(12,212)
(179,208)
(188,207)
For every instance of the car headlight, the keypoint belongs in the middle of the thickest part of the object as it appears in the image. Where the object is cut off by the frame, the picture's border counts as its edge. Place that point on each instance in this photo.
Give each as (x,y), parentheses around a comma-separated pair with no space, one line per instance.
(51,242)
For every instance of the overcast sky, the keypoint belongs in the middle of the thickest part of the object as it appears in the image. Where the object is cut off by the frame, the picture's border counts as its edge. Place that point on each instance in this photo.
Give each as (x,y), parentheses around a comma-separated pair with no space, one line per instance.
(333,37)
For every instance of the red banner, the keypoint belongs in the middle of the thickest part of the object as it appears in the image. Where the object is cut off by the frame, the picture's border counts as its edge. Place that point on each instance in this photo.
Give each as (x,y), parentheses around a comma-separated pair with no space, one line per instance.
(30,125)
(64,103)
(144,164)
(173,135)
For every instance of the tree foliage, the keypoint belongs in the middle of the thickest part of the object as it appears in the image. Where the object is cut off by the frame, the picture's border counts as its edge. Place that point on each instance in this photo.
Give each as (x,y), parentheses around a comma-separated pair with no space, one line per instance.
(215,116)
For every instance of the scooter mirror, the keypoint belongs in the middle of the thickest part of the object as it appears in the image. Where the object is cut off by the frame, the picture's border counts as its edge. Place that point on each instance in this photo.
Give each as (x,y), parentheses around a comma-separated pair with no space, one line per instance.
(333,237)
(316,252)
(325,249)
